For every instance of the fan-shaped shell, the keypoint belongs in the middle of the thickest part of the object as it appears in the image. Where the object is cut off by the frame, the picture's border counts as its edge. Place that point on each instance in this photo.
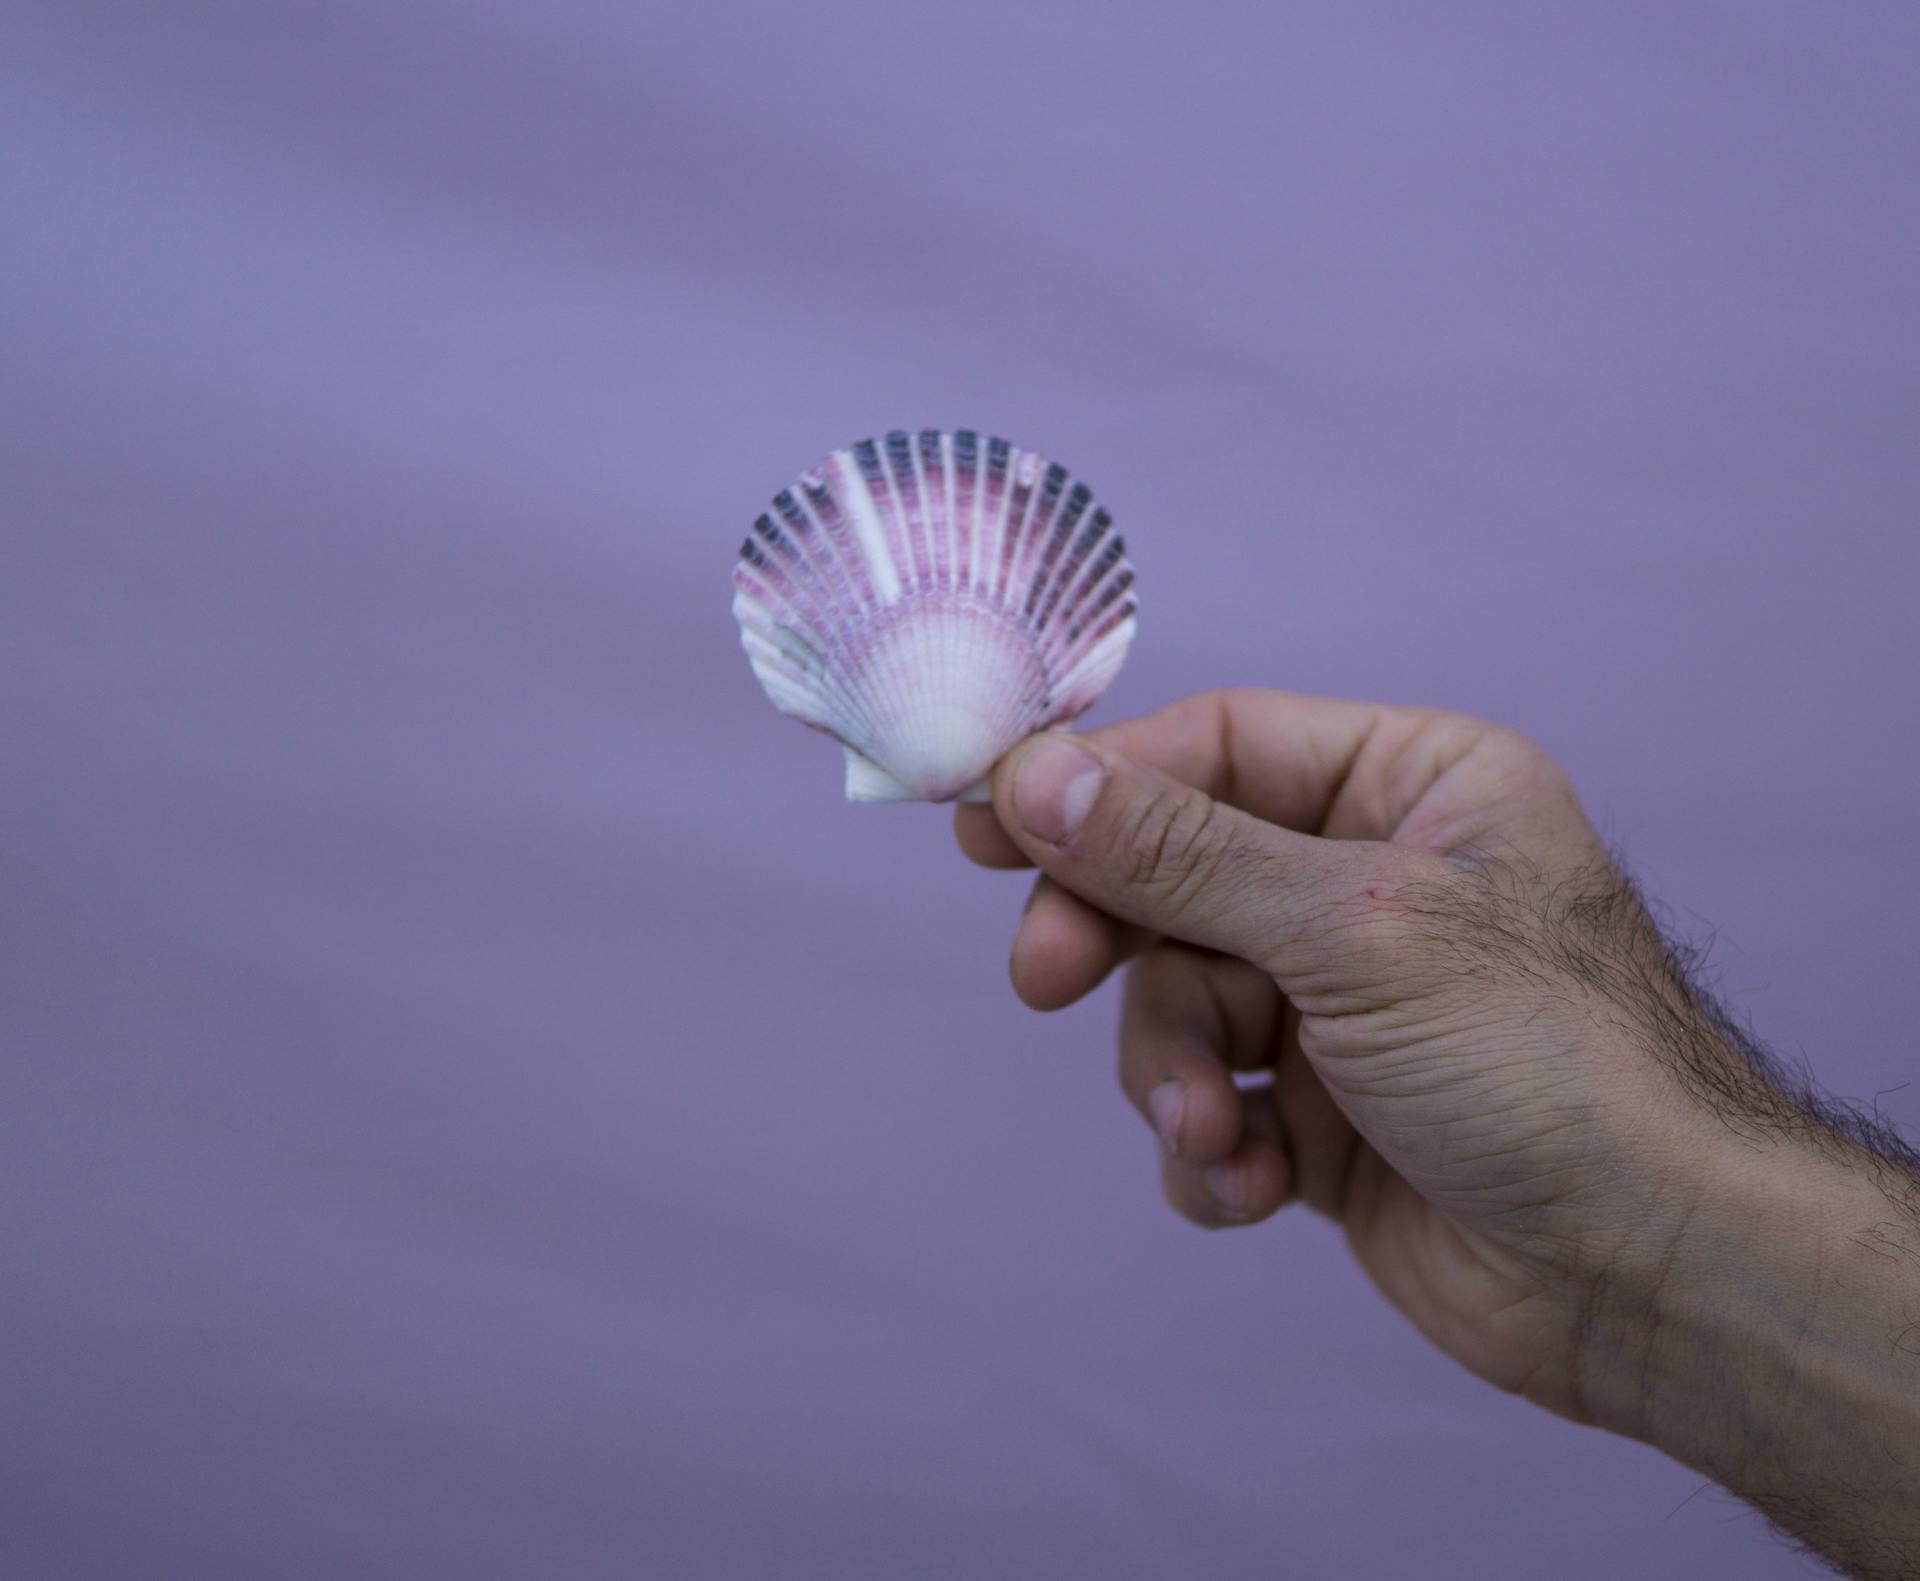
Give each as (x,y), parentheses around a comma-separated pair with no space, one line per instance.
(929,600)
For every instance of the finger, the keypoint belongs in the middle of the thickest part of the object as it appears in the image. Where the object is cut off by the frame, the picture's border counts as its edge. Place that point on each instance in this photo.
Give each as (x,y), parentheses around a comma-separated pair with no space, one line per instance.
(1320,1140)
(983,841)
(1188,1020)
(1286,758)
(1251,1183)
(1359,771)
(1064,949)
(1162,855)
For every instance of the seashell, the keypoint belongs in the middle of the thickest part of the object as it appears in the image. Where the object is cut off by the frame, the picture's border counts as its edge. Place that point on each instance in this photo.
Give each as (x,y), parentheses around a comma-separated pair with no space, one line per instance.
(929,601)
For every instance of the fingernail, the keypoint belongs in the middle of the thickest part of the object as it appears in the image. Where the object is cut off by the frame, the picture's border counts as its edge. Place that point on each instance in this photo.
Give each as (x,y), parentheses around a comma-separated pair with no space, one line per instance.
(1228,1183)
(1054,787)
(1167,1103)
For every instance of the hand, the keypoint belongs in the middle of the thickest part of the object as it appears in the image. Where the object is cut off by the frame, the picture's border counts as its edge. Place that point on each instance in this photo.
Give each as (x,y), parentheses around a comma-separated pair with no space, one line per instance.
(1388,912)
(1470,1044)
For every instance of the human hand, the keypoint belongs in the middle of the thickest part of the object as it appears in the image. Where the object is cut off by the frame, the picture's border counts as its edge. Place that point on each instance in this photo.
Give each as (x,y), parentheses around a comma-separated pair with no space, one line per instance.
(1397,915)
(1472,1047)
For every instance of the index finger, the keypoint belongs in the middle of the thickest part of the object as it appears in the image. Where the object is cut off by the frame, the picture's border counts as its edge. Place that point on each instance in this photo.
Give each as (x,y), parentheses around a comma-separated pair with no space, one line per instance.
(1282,756)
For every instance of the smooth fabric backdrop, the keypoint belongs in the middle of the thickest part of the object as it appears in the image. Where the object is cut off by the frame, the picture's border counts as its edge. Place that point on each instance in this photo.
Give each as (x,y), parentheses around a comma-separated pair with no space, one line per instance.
(475,1102)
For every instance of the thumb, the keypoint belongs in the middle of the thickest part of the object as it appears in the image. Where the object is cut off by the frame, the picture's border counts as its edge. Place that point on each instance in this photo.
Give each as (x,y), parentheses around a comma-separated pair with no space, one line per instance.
(1152,851)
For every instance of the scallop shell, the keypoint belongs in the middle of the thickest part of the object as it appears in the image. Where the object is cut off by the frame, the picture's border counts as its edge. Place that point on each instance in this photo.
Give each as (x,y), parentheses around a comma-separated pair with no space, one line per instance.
(928,601)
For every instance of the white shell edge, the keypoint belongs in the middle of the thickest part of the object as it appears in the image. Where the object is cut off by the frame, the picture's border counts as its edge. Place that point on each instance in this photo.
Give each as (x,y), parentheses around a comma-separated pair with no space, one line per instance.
(867,781)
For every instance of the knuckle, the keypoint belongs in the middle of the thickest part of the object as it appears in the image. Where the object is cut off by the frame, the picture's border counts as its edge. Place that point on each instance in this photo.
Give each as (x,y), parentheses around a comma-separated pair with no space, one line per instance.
(1147,837)
(1516,743)
(1176,848)
(1532,770)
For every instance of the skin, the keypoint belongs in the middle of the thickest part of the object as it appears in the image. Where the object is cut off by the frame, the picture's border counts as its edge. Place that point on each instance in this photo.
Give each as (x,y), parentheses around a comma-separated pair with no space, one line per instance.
(1465,1041)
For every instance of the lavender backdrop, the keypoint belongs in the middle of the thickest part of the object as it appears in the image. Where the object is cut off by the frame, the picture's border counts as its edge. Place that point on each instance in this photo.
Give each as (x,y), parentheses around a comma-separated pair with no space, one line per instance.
(475,1103)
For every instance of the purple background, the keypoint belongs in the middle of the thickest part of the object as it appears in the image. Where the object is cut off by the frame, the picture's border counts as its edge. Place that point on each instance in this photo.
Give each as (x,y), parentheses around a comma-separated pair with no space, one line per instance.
(476,1103)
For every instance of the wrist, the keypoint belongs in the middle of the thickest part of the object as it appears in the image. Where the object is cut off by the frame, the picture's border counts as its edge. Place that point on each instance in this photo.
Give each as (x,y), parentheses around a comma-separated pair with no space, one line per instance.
(1774,1345)
(1704,1333)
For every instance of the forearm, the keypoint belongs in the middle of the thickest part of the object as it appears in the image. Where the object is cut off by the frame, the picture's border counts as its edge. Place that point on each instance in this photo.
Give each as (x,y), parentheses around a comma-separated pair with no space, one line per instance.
(1779,1347)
